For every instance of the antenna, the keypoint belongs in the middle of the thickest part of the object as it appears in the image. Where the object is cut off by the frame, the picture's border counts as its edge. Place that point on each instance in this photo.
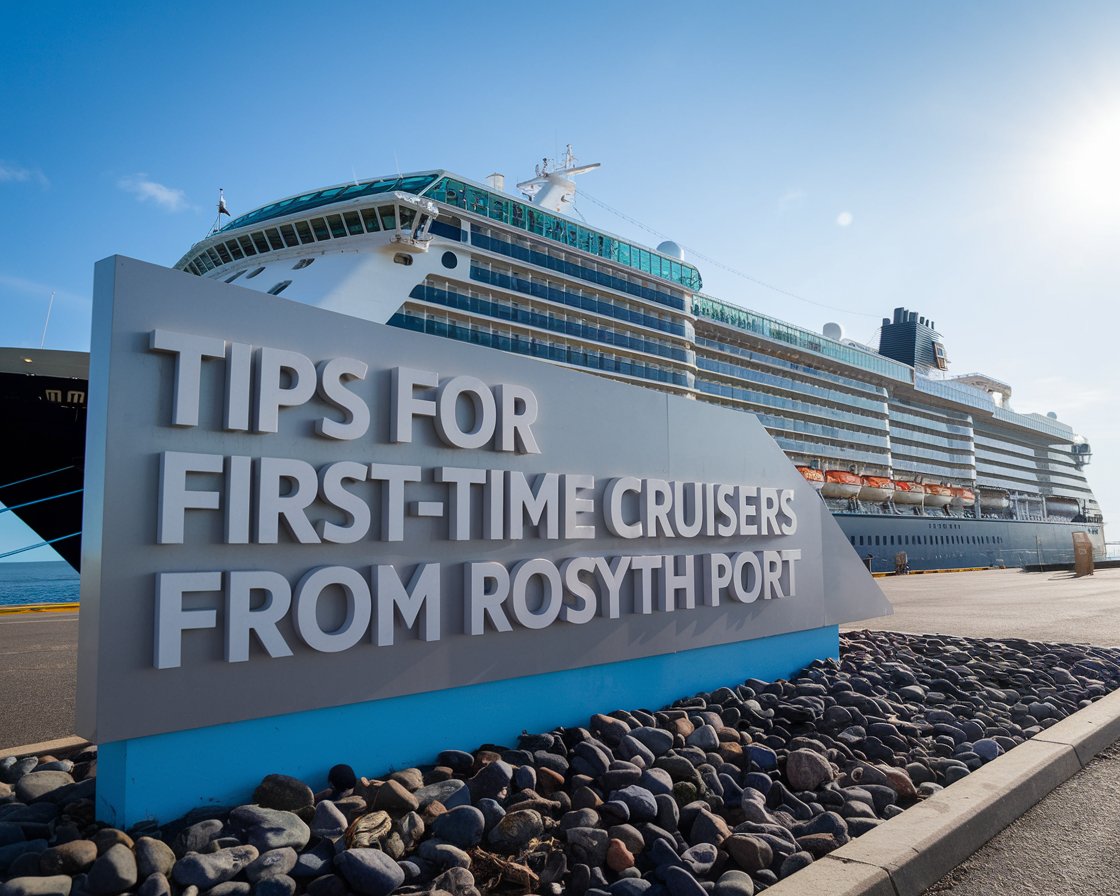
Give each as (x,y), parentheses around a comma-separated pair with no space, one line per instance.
(50,305)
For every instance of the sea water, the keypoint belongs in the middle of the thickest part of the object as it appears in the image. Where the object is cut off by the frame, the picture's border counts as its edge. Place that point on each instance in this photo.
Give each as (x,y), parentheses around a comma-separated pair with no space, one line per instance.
(46,582)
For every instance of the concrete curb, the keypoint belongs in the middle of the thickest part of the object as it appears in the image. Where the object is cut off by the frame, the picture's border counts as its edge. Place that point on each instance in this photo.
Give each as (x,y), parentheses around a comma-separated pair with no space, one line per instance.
(910,853)
(61,745)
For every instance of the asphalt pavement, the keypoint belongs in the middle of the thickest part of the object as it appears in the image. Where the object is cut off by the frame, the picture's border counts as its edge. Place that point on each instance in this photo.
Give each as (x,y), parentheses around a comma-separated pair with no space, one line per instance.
(38,675)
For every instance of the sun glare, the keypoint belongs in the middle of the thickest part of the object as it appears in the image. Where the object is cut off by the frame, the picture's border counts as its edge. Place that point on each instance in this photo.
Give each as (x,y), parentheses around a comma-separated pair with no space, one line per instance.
(1087,164)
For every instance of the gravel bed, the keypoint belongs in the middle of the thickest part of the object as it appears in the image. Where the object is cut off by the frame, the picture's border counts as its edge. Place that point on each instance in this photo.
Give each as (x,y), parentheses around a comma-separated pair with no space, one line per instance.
(722,793)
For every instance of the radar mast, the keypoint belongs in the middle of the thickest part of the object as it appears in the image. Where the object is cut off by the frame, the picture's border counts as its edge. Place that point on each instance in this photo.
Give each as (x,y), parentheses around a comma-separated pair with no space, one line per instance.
(553,188)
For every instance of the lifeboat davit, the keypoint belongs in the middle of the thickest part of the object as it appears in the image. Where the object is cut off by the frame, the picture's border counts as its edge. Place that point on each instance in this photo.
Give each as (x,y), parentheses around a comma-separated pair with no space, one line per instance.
(937,495)
(994,499)
(876,489)
(841,484)
(962,497)
(813,476)
(910,493)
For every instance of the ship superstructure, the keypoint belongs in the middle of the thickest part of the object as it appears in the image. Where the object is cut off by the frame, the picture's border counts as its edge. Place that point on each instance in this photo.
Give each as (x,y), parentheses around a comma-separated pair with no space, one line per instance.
(908,459)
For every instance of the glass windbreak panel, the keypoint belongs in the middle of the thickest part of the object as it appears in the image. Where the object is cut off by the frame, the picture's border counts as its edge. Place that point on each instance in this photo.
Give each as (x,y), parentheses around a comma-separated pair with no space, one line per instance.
(499,209)
(304,231)
(319,227)
(388,217)
(289,233)
(330,194)
(369,217)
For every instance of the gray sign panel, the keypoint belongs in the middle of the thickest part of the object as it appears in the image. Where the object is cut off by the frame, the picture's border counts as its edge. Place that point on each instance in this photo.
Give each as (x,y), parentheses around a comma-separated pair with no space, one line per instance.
(287,509)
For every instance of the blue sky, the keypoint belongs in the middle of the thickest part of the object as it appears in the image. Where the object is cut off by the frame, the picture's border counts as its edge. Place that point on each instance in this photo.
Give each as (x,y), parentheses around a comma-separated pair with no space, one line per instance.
(956,158)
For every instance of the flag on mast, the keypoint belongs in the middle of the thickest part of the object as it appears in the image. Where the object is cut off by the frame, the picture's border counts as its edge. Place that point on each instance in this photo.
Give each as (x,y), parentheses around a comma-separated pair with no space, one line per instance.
(222,210)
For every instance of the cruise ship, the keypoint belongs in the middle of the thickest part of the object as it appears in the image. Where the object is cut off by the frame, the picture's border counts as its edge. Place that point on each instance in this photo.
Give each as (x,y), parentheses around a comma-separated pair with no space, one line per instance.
(921,469)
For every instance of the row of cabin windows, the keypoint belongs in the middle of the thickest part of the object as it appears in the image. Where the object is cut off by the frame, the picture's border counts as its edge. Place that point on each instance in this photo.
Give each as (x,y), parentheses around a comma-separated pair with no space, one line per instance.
(808,373)
(542,288)
(301,233)
(511,341)
(535,254)
(562,230)
(904,540)
(504,309)
(790,384)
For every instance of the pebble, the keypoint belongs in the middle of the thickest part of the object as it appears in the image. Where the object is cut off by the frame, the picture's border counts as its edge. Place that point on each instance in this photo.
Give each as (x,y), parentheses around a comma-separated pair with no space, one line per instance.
(283,792)
(370,872)
(113,872)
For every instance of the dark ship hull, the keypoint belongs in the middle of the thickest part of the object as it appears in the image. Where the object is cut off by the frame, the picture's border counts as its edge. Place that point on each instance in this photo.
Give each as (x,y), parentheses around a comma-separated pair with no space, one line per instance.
(42,454)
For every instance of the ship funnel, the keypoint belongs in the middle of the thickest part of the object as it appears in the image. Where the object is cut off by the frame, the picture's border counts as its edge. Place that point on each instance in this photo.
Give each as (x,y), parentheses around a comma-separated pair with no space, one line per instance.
(497,182)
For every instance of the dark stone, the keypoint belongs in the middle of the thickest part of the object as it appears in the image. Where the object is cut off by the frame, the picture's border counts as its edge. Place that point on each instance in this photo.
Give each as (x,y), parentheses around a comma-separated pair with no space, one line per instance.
(54,885)
(152,857)
(207,870)
(68,858)
(269,828)
(370,872)
(271,864)
(462,826)
(515,830)
(113,872)
(342,778)
(283,792)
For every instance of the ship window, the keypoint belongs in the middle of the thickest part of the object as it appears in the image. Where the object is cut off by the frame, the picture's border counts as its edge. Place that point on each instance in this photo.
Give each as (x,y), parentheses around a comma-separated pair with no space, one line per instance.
(338,229)
(223,253)
(388,217)
(279,287)
(289,233)
(302,263)
(215,258)
(259,241)
(353,223)
(406,217)
(369,215)
(319,226)
(449,260)
(852,538)
(274,238)
(234,249)
(234,277)
(254,273)
(402,258)
(247,246)
(304,231)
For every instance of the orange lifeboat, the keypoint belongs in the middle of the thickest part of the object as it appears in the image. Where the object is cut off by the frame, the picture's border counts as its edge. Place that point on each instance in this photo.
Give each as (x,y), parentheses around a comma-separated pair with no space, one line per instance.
(813,476)
(937,495)
(963,497)
(910,493)
(876,489)
(841,484)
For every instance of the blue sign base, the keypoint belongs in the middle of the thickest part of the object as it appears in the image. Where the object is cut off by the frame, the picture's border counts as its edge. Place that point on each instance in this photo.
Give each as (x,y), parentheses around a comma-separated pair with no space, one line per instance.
(166,775)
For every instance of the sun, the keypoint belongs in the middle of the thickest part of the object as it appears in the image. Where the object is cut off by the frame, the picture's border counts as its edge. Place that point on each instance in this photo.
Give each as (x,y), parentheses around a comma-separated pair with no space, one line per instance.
(1086,166)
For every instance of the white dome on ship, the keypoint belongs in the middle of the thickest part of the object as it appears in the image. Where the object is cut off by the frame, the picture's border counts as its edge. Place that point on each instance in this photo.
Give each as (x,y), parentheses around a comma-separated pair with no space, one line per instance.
(671,249)
(832,331)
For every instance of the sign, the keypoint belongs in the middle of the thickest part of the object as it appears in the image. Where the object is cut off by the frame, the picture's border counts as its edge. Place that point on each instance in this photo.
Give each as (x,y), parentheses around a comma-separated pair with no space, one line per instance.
(288,509)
